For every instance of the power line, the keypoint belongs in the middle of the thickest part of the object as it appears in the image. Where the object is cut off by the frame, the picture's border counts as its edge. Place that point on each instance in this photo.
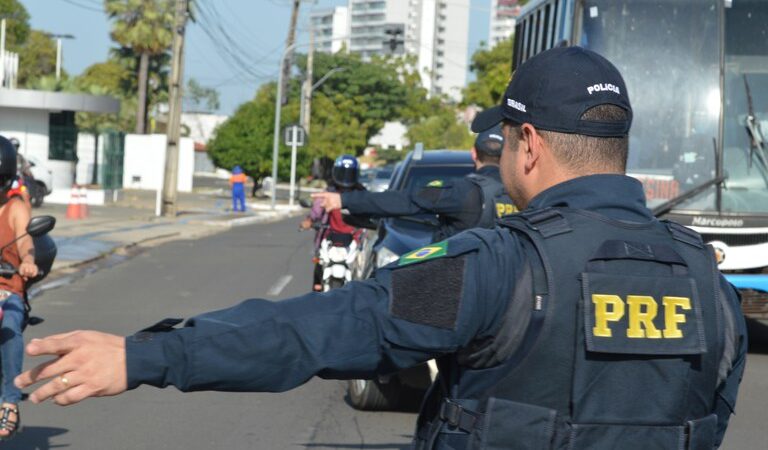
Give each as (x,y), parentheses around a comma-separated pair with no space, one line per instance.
(86,7)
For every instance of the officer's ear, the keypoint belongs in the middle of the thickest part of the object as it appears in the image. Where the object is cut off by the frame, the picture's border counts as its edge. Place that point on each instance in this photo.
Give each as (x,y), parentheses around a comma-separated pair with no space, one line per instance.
(473,153)
(533,145)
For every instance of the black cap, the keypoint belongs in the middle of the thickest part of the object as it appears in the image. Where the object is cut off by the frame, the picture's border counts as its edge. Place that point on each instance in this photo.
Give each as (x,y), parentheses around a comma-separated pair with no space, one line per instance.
(553,89)
(490,141)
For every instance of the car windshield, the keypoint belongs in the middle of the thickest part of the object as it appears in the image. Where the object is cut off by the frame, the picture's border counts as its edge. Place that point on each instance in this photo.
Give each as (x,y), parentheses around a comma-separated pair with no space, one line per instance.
(668,52)
(419,177)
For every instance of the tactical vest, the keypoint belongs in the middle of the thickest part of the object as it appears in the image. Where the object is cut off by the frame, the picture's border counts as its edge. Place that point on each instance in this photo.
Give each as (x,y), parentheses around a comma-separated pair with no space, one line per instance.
(619,347)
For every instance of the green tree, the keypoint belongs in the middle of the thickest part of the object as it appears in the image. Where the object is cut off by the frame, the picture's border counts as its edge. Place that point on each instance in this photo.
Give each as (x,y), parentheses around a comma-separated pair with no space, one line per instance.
(110,78)
(17,24)
(37,58)
(200,97)
(441,131)
(146,28)
(493,68)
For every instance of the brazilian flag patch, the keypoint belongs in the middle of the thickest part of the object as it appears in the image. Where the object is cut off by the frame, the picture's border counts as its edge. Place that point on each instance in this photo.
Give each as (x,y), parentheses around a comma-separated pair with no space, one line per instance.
(429,252)
(435,183)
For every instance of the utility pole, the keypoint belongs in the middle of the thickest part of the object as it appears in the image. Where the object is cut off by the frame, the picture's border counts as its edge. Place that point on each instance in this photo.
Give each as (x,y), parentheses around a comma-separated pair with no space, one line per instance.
(58,38)
(306,90)
(2,52)
(288,61)
(171,175)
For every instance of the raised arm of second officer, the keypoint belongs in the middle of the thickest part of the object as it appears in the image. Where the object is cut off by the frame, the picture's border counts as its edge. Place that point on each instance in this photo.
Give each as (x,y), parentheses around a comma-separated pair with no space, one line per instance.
(582,322)
(475,200)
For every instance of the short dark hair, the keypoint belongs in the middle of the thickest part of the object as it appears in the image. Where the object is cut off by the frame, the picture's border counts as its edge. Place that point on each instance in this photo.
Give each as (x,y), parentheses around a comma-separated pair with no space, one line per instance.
(585,154)
(485,158)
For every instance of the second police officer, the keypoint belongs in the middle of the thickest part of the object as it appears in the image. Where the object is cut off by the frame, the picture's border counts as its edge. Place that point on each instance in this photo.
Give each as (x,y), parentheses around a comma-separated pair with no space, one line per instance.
(583,322)
(473,201)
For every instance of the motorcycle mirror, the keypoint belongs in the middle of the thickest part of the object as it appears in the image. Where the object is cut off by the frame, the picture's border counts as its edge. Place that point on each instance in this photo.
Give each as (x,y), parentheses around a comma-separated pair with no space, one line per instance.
(305,202)
(40,225)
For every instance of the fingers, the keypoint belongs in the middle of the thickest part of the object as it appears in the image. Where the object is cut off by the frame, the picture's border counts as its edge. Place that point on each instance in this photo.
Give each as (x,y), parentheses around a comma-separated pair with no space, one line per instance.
(52,345)
(73,395)
(42,371)
(53,388)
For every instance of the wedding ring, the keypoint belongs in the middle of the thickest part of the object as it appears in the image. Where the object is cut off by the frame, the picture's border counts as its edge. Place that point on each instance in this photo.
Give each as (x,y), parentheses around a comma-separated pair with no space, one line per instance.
(64,380)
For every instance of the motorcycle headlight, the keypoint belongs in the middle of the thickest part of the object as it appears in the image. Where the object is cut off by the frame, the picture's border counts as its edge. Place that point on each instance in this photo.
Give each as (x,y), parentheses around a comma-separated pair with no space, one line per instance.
(385,256)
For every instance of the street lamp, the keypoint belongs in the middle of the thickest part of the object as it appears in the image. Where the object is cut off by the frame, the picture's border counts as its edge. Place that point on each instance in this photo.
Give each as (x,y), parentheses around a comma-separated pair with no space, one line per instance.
(58,38)
(278,110)
(305,109)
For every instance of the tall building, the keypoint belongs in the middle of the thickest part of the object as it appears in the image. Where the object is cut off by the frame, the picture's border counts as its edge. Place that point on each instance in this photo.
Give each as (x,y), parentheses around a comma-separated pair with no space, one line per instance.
(435,31)
(503,14)
(331,28)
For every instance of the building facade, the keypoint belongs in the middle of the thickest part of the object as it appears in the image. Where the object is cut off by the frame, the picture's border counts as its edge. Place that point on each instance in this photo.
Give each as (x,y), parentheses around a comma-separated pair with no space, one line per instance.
(331,28)
(503,14)
(436,32)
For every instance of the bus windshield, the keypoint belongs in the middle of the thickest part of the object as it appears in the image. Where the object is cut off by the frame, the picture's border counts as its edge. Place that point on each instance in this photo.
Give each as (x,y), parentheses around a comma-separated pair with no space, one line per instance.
(746,107)
(669,54)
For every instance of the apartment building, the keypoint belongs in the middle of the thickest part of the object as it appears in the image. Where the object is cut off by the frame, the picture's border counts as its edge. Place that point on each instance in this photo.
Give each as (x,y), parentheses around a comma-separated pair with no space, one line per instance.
(503,14)
(331,28)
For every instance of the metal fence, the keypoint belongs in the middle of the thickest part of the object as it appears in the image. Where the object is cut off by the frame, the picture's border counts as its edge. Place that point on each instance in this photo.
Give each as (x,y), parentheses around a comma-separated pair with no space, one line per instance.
(112,167)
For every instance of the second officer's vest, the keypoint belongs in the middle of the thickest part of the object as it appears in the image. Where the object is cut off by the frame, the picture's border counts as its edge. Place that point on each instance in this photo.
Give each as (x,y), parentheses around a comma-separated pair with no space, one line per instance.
(621,351)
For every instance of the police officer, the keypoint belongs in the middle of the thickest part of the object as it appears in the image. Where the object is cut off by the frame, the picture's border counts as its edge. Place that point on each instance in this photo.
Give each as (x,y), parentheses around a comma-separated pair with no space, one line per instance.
(475,200)
(582,322)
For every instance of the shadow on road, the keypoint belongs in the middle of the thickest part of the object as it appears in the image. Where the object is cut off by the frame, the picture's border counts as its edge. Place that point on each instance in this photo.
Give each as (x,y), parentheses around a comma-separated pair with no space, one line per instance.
(35,438)
(758,336)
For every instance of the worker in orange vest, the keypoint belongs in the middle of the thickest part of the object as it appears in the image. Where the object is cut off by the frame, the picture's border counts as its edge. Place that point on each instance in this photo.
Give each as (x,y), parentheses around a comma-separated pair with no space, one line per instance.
(237,183)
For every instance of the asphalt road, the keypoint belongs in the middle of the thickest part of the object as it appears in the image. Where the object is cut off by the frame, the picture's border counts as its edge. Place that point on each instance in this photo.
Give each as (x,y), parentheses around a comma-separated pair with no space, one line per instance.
(184,278)
(181,279)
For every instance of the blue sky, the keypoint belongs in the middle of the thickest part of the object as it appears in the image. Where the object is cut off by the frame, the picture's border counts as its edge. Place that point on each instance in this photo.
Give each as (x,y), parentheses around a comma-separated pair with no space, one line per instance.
(259,28)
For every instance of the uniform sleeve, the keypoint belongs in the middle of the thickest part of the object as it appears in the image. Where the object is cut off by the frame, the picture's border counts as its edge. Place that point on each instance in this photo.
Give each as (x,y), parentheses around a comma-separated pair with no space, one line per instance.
(404,316)
(734,358)
(380,204)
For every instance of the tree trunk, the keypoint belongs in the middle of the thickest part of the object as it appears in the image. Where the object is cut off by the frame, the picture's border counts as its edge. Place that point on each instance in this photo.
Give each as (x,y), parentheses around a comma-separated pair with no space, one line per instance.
(141,105)
(95,177)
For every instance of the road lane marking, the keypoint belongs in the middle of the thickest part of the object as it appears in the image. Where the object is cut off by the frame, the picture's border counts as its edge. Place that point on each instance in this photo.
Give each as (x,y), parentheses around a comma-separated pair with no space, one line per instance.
(281,283)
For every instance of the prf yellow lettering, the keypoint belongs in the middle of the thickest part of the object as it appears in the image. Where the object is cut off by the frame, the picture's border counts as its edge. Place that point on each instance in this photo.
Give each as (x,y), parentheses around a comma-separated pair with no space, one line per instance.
(642,310)
(672,318)
(603,316)
(504,209)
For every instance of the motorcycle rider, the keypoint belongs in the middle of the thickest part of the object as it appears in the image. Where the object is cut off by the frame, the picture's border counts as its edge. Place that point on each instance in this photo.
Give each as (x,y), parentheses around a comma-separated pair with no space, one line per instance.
(14,217)
(344,178)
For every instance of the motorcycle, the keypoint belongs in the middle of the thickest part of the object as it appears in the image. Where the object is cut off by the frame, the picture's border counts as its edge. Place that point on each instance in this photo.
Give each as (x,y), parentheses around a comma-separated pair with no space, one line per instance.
(336,256)
(45,253)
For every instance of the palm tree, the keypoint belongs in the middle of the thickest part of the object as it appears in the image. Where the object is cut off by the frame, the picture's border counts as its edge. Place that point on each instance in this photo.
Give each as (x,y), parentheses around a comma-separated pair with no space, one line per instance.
(145,27)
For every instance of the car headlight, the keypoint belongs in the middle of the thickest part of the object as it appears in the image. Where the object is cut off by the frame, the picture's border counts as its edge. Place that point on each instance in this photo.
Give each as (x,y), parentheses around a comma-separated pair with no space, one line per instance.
(385,256)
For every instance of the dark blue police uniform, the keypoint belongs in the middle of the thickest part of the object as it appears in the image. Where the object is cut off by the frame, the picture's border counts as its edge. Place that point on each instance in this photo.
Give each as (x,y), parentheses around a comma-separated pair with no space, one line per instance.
(460,204)
(474,201)
(444,302)
(582,322)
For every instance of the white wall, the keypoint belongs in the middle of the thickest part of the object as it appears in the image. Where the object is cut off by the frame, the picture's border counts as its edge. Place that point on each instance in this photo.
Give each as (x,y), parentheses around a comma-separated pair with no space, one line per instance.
(392,135)
(144,162)
(85,158)
(30,127)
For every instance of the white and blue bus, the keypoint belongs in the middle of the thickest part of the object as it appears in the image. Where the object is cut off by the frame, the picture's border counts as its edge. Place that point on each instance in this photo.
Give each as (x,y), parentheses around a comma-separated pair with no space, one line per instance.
(697,75)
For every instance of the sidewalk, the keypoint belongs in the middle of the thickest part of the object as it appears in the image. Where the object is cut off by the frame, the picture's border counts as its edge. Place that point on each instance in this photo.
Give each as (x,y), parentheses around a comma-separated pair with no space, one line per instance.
(117,228)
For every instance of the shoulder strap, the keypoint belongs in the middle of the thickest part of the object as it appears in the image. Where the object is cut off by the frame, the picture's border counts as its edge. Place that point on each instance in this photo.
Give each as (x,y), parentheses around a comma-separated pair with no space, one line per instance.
(684,234)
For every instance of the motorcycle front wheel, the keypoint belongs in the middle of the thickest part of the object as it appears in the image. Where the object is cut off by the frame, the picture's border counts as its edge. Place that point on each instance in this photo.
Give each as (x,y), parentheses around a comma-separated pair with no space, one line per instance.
(371,395)
(335,283)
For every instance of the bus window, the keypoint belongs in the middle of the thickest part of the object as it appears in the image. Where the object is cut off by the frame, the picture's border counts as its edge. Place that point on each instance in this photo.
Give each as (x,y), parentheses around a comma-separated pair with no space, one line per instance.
(668,52)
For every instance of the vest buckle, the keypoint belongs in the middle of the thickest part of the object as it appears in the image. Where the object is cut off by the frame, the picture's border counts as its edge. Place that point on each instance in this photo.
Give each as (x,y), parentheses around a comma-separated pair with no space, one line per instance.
(457,416)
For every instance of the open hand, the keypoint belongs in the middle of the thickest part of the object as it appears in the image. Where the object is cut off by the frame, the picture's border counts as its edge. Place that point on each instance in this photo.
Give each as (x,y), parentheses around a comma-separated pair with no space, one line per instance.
(88,364)
(328,200)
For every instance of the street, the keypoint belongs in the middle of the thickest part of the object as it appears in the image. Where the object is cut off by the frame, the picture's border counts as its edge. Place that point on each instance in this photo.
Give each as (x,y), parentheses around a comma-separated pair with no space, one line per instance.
(183,278)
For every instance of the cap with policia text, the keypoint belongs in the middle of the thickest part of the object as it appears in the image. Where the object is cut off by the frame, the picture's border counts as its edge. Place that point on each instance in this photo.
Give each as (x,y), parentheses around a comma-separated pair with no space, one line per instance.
(553,89)
(490,141)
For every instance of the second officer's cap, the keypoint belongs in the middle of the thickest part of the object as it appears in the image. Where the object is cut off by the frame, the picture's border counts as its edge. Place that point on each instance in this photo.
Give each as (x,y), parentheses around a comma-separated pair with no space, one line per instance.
(553,89)
(490,141)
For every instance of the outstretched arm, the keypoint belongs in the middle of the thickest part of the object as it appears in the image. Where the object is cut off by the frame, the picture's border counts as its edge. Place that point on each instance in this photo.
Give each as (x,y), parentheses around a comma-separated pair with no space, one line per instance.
(411,312)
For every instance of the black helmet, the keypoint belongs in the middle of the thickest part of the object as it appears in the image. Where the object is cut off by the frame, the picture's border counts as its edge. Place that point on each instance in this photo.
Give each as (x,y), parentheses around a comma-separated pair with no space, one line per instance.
(345,171)
(16,143)
(7,164)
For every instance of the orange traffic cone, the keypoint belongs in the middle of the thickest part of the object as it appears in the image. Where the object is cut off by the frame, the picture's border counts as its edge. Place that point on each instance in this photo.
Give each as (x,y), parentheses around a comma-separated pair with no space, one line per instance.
(73,208)
(83,202)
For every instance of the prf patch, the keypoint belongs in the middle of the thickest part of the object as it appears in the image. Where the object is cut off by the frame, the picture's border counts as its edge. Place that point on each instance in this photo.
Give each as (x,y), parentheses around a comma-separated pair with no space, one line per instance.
(436,183)
(505,209)
(642,315)
(429,252)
